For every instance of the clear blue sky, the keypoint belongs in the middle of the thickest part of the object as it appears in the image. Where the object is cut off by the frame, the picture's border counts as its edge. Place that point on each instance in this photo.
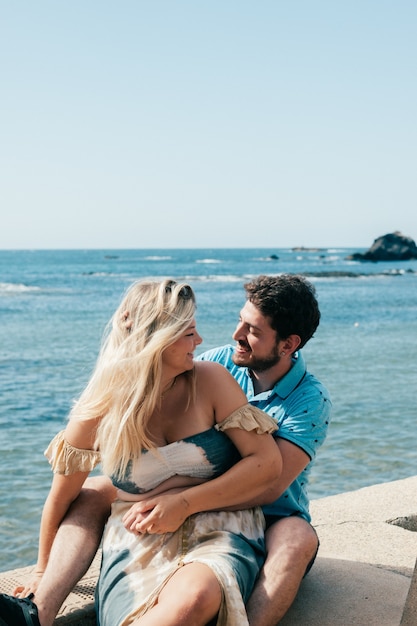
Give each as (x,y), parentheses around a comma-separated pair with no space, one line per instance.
(217,123)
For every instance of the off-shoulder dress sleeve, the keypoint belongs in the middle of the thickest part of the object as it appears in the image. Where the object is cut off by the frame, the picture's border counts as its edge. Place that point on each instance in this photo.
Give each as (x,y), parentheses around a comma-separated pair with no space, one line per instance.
(249,417)
(66,459)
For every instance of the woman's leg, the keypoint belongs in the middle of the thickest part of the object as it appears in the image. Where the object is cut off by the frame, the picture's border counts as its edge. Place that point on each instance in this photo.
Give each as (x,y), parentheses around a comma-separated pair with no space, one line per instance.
(192,596)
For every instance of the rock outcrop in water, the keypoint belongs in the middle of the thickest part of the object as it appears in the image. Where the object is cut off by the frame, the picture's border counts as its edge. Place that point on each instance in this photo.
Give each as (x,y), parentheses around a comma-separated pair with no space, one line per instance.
(392,247)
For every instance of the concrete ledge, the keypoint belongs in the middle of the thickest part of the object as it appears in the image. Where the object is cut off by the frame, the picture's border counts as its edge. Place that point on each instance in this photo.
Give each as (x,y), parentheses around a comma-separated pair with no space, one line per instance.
(367,556)
(364,575)
(409,617)
(346,593)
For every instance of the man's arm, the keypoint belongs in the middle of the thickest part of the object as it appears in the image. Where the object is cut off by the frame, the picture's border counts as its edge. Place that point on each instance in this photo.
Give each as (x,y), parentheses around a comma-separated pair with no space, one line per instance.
(294,460)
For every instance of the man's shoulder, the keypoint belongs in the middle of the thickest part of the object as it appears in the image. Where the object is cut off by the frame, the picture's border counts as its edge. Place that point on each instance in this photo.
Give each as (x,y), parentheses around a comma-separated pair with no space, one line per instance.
(304,379)
(299,381)
(312,386)
(309,397)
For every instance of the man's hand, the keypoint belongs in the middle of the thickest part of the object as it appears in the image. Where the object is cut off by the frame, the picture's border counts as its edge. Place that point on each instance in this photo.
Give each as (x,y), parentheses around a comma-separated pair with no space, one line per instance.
(158,515)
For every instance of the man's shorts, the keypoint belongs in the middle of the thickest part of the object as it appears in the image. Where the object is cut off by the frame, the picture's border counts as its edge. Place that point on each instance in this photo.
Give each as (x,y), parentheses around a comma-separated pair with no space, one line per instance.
(272,519)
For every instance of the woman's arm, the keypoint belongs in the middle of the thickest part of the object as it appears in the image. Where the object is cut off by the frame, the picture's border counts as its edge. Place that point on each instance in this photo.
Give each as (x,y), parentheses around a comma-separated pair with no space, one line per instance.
(63,491)
(80,435)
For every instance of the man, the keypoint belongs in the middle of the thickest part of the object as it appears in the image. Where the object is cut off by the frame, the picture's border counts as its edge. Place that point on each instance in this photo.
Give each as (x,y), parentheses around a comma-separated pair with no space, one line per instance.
(280,315)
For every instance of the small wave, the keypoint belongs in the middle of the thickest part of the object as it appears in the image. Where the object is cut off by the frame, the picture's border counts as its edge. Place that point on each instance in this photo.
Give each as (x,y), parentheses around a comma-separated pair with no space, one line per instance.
(92,273)
(345,274)
(398,272)
(331,259)
(208,261)
(158,258)
(219,278)
(16,288)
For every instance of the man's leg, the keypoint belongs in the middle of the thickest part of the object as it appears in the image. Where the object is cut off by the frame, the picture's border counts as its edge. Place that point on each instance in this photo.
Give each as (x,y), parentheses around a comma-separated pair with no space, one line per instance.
(74,547)
(291,544)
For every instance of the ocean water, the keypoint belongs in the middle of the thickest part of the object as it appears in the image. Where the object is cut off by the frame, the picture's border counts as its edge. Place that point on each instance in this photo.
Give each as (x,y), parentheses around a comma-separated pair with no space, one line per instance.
(54,306)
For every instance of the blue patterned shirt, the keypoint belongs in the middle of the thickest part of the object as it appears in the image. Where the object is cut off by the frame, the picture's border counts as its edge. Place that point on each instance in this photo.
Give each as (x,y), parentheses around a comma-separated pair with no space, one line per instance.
(301,406)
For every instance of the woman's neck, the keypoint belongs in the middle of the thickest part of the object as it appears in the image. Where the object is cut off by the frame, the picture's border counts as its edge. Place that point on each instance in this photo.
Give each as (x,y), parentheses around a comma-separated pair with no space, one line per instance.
(167,386)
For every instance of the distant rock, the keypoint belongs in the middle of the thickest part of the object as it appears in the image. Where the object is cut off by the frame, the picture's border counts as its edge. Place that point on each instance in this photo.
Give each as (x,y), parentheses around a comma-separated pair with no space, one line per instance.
(392,247)
(303,249)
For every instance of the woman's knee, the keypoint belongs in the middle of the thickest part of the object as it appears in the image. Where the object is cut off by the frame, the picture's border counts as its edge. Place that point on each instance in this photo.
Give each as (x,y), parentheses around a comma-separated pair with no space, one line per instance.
(194,591)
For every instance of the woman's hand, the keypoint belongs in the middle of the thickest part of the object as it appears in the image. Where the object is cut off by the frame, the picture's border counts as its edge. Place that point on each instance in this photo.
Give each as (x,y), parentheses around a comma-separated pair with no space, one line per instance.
(158,515)
(30,587)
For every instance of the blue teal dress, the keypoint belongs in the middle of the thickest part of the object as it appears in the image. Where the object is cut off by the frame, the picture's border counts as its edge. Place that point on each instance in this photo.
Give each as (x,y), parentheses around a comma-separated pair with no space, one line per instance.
(135,568)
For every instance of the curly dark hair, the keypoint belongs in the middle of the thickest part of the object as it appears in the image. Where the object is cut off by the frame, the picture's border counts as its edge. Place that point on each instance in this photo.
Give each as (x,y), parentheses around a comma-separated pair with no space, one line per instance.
(290,303)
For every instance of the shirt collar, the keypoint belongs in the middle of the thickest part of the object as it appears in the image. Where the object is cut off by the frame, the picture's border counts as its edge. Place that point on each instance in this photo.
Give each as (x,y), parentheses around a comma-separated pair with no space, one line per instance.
(292,379)
(287,383)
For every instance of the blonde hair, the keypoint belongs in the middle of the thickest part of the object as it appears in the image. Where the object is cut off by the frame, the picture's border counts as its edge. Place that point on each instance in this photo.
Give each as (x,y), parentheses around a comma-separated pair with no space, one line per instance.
(125,387)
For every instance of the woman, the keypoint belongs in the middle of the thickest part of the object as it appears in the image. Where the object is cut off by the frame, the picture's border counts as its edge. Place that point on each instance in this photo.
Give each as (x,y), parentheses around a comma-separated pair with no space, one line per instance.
(160,422)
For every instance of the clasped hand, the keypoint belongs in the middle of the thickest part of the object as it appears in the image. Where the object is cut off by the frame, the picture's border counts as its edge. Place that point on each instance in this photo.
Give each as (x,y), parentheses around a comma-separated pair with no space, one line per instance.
(157,515)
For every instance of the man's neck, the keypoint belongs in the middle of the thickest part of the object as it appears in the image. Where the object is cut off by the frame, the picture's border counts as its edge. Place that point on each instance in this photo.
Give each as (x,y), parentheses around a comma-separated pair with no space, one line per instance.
(267,379)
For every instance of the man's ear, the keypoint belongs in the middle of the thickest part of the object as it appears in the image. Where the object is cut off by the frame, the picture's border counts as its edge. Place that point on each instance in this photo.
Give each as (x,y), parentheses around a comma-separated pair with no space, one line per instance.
(291,343)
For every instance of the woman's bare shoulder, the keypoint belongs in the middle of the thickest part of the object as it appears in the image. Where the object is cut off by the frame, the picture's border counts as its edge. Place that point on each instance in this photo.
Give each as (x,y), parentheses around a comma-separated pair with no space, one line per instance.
(209,373)
(211,368)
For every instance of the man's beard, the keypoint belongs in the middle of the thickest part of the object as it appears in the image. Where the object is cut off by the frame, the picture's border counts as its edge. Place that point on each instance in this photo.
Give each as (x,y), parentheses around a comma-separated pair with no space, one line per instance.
(258,365)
